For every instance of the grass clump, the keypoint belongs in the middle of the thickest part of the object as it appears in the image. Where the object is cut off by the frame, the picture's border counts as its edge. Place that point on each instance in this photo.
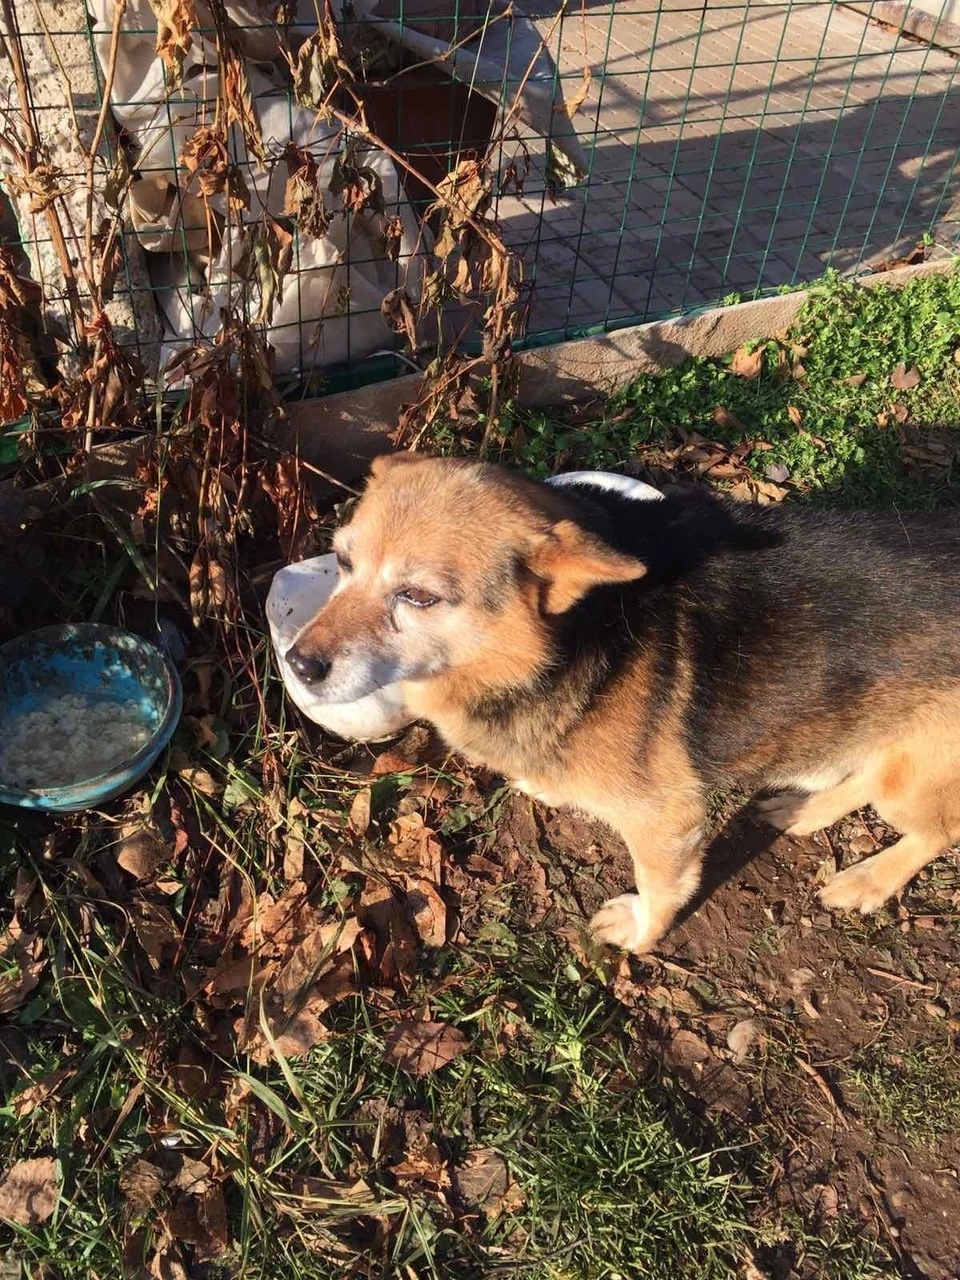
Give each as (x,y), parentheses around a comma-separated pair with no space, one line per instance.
(915,1091)
(824,405)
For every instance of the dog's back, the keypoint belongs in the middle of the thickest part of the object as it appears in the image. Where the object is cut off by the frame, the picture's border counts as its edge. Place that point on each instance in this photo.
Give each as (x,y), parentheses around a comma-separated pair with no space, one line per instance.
(793,623)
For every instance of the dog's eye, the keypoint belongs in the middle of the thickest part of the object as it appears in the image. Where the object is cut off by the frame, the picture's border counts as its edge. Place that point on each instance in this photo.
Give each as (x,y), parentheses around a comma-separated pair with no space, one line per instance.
(417,596)
(344,563)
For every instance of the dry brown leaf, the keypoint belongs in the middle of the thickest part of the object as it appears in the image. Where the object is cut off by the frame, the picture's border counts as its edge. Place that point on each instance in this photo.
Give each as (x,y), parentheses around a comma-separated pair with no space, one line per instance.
(855,380)
(747,364)
(483,1181)
(905,379)
(200,1220)
(155,931)
(200,780)
(319,1195)
(767,492)
(234,976)
(743,491)
(29,1192)
(239,101)
(391,762)
(827,1202)
(423,1161)
(724,418)
(141,1184)
(359,818)
(307,960)
(429,912)
(742,1038)
(416,845)
(193,1178)
(677,998)
(277,925)
(397,309)
(794,414)
(27,950)
(687,1051)
(301,1032)
(174,21)
(295,840)
(41,1091)
(573,104)
(167,1262)
(422,1047)
(140,850)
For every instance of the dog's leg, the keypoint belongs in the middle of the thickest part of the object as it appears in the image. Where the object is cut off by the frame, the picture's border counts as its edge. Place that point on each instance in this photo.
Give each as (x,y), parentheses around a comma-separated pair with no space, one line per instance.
(867,885)
(914,789)
(667,872)
(802,815)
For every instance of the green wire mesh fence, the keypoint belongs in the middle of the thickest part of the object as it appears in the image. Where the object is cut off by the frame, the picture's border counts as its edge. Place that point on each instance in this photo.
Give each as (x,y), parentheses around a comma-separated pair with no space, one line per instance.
(170,163)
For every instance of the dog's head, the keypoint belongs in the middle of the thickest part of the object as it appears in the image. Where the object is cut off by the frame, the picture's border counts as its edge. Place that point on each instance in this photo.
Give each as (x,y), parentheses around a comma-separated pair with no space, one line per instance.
(449,566)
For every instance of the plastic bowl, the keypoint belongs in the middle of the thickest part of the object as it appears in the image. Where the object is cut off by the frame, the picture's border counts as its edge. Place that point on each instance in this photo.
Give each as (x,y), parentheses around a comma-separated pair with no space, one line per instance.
(98,662)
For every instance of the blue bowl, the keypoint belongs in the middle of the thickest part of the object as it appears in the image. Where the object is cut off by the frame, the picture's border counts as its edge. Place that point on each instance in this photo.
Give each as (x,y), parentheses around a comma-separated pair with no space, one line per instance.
(101,663)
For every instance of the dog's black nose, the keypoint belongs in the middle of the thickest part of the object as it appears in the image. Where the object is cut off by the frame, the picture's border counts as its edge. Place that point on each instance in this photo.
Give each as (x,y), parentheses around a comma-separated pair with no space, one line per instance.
(307,667)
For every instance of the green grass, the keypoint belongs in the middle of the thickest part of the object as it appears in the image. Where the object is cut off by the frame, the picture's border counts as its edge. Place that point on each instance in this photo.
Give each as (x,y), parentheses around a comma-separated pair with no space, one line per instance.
(913,1091)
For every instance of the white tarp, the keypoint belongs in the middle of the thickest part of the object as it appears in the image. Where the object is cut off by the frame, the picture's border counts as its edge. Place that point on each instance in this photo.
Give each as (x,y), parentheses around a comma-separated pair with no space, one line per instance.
(327,307)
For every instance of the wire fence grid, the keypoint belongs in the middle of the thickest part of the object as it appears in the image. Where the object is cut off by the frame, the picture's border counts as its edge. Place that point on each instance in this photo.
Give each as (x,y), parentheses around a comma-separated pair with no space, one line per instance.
(647,158)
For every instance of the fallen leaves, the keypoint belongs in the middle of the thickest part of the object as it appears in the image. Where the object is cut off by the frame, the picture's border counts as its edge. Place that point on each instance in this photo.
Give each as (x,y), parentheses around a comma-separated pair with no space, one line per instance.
(41,1091)
(742,1038)
(423,1047)
(25,962)
(747,363)
(905,379)
(928,454)
(29,1192)
(141,1184)
(141,850)
(290,963)
(483,1181)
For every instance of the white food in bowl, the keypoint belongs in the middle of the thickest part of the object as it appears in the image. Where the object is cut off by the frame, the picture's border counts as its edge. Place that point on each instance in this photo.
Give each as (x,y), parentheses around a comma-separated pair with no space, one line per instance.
(68,740)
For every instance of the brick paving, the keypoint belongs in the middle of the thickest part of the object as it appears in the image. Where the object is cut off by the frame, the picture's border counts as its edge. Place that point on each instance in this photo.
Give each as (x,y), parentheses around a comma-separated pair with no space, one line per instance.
(734,147)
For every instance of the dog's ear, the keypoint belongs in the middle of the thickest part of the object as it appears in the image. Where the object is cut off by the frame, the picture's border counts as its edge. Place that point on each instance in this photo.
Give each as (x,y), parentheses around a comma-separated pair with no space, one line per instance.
(569,561)
(387,461)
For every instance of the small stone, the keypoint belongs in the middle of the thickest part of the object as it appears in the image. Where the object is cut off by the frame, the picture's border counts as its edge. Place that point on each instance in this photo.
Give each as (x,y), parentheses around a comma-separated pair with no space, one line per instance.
(862,844)
(934,1010)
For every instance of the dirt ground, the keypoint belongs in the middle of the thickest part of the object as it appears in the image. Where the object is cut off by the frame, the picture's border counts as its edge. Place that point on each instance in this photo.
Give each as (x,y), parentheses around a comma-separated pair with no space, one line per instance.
(837,1034)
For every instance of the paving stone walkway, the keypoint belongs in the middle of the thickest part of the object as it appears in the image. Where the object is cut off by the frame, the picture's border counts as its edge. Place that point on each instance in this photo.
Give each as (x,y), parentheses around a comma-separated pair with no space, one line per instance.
(734,146)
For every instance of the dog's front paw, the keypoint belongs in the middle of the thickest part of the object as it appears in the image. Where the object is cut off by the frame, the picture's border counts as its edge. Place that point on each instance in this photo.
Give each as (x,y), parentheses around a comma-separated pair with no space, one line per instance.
(858,888)
(624,922)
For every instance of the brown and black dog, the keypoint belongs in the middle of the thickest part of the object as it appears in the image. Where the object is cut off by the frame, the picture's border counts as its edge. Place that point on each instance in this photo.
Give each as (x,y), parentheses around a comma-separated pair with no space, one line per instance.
(626,658)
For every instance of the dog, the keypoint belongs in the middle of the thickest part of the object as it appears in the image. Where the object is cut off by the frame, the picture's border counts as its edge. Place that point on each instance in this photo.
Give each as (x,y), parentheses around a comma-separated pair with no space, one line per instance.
(626,659)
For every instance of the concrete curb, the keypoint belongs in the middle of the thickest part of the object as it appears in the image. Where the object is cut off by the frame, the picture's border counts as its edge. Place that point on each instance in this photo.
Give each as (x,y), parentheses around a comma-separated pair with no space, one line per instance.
(940,30)
(341,433)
